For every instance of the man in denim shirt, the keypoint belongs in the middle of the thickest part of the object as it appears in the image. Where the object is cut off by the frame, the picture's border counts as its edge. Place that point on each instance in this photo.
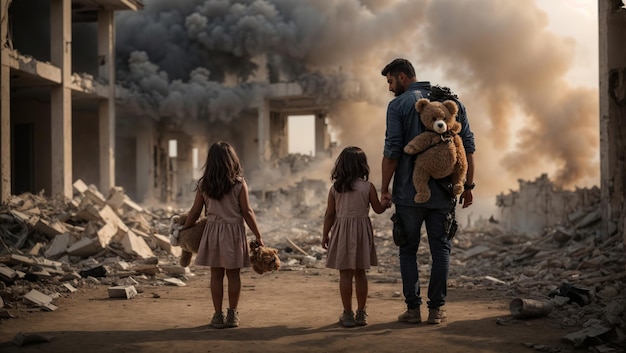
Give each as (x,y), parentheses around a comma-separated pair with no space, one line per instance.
(403,123)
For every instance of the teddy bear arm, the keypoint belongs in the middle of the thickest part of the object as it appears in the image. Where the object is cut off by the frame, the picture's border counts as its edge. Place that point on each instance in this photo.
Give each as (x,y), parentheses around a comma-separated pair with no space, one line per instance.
(460,170)
(418,144)
(461,157)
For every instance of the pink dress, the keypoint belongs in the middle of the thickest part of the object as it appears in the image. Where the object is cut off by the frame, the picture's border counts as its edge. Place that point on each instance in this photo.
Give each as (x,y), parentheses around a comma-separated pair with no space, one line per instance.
(224,243)
(351,244)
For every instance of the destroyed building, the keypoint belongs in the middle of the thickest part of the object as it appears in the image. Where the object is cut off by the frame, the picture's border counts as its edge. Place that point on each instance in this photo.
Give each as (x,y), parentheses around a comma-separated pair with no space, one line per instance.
(539,204)
(58,94)
(66,116)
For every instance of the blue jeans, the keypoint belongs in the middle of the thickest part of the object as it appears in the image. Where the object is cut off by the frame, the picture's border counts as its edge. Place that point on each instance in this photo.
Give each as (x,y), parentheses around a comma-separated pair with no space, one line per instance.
(412,219)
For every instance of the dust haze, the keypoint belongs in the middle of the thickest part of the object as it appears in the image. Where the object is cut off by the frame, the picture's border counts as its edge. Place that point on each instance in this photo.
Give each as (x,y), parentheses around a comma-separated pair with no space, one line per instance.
(179,58)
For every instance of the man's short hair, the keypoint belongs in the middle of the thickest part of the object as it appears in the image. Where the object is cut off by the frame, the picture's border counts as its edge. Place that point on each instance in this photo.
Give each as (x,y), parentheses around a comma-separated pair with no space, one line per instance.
(398,66)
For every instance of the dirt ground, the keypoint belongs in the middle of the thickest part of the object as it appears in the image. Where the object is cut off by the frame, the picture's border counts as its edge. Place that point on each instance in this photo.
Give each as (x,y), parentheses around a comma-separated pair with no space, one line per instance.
(285,311)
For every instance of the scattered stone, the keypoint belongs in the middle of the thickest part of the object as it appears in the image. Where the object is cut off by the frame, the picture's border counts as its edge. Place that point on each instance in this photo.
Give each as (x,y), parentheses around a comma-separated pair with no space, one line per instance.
(126,292)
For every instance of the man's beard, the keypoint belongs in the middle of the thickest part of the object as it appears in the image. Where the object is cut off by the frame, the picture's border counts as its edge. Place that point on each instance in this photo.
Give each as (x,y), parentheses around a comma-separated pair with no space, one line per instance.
(398,90)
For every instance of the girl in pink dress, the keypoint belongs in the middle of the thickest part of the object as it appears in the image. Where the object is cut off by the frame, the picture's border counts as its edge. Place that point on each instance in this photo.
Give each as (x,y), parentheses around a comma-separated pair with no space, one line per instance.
(223,193)
(350,245)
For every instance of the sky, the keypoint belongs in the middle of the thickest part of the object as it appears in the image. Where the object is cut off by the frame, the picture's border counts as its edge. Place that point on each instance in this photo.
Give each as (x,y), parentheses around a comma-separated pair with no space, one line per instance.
(527,71)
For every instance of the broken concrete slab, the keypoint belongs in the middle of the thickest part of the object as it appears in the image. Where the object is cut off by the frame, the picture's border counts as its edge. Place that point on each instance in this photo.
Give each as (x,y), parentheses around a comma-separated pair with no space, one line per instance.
(125,292)
(174,282)
(85,247)
(88,212)
(42,300)
(135,245)
(50,228)
(116,198)
(110,217)
(7,274)
(58,246)
(91,192)
(69,287)
(106,234)
(130,204)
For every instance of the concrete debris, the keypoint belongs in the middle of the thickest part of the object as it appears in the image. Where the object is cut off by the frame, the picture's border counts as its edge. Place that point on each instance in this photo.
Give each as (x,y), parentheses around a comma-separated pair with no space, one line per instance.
(37,298)
(174,282)
(125,292)
(56,246)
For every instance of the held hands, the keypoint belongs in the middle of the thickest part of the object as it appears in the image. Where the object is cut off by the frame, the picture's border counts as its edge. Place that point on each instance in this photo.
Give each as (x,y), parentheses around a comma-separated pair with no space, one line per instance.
(385,199)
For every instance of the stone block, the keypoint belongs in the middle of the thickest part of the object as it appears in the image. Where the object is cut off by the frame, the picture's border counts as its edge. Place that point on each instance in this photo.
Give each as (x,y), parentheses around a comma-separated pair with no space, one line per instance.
(125,292)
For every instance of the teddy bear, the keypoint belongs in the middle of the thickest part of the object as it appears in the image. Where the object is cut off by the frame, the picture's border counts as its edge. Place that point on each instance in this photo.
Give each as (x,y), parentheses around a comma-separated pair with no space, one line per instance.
(188,239)
(439,148)
(263,259)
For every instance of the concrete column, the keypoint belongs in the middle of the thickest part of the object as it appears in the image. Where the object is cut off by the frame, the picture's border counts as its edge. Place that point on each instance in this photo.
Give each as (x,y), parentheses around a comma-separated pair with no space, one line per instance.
(5,107)
(106,108)
(612,35)
(61,97)
(145,161)
(265,152)
(322,138)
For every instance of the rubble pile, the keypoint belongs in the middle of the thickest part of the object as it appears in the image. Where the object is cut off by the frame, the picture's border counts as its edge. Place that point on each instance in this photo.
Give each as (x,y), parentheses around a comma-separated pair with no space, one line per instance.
(579,269)
(51,247)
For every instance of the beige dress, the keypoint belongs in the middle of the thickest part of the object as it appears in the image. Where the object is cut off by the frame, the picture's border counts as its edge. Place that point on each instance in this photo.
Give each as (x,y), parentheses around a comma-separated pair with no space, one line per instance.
(351,244)
(224,242)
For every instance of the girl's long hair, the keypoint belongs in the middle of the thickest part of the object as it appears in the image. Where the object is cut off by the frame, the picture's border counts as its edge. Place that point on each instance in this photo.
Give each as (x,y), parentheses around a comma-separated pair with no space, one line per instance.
(351,164)
(222,170)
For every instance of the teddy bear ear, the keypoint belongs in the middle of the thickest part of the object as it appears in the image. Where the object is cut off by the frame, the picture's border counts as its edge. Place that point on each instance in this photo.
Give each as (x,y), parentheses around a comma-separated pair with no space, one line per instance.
(421,103)
(452,107)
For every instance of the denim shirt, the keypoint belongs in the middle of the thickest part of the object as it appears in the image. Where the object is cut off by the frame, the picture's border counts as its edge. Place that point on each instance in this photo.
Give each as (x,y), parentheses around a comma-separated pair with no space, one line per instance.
(403,123)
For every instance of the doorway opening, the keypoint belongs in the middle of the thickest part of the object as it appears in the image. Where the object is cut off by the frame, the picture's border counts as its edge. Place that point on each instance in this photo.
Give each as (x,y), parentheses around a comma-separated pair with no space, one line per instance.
(301,132)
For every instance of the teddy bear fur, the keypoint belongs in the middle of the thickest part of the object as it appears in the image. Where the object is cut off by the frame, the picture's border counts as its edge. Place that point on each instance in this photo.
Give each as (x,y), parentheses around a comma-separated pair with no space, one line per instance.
(188,239)
(262,258)
(439,148)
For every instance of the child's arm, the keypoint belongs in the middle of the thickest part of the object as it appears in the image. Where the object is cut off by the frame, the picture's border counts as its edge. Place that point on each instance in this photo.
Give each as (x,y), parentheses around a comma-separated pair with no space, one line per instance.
(375,202)
(196,209)
(248,213)
(329,219)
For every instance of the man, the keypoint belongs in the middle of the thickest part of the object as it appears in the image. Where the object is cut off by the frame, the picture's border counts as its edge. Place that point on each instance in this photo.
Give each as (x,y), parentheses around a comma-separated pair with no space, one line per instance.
(403,124)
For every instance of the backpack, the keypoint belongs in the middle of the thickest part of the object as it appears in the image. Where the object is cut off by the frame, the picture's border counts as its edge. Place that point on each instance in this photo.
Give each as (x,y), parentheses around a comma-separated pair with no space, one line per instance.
(440,94)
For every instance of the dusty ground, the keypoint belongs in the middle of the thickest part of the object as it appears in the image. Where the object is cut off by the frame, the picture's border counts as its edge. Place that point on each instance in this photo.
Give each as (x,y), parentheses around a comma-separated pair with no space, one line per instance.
(285,311)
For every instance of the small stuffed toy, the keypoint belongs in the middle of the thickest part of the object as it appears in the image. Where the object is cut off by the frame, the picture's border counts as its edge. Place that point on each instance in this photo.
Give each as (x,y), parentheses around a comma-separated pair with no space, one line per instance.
(439,148)
(263,259)
(188,239)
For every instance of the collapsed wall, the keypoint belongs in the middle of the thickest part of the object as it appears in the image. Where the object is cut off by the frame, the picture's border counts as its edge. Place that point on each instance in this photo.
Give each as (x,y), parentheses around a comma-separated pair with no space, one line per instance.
(539,204)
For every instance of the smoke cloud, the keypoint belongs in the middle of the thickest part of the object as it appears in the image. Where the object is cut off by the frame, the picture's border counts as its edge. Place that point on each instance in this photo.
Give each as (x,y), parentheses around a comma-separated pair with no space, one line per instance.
(513,70)
(179,57)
